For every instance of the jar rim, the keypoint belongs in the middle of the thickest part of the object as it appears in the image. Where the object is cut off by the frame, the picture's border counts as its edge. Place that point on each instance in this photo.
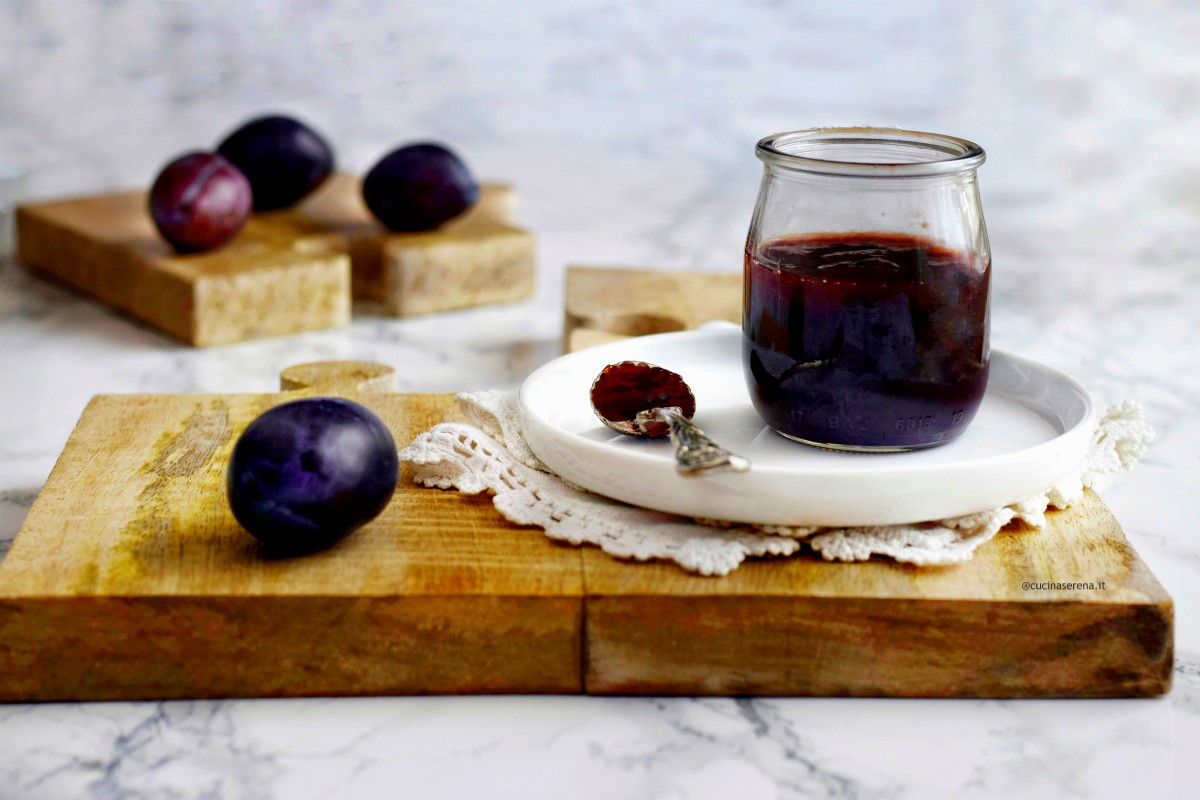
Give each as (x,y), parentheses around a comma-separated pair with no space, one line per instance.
(919,153)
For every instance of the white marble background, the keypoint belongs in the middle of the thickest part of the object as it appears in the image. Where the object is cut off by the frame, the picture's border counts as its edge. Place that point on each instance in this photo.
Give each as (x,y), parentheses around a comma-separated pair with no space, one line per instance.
(629,129)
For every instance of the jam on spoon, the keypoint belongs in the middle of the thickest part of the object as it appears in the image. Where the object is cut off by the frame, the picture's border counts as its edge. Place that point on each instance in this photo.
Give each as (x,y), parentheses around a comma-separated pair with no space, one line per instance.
(640,399)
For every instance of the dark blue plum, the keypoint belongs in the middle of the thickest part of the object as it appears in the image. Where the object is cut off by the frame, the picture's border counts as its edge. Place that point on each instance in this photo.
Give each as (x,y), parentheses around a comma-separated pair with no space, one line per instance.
(308,472)
(284,160)
(419,187)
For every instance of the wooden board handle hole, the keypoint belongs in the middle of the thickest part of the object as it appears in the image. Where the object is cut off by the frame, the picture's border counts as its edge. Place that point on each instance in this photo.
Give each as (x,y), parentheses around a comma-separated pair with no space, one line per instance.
(338,377)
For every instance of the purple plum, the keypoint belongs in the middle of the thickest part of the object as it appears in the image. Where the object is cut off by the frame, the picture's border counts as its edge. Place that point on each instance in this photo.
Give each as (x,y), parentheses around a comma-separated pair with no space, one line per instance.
(306,473)
(284,159)
(419,187)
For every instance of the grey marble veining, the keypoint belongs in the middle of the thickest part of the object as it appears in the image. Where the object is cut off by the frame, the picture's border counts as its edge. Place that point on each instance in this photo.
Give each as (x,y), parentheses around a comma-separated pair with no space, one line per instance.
(596,748)
(628,129)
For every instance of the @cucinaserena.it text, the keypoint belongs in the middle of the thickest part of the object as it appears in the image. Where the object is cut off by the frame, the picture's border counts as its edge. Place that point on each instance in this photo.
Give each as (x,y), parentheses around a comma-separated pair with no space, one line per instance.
(1057,586)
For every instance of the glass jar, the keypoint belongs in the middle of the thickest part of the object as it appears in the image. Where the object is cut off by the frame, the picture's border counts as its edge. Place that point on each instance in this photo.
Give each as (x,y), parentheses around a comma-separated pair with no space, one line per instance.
(867,278)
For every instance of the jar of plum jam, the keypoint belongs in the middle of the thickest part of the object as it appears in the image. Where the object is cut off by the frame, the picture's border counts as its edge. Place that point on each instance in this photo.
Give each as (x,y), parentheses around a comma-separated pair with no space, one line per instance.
(867,277)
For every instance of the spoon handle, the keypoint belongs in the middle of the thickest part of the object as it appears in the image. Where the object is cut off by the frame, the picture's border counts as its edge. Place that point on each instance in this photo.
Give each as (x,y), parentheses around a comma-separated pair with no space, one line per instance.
(695,453)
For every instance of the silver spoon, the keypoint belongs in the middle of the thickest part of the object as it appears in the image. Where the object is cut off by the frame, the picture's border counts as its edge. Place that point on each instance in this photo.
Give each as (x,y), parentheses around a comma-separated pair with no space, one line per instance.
(640,399)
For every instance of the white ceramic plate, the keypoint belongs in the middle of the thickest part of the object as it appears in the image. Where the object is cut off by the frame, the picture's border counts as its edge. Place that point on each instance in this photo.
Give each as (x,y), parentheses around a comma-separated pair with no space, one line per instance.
(1033,428)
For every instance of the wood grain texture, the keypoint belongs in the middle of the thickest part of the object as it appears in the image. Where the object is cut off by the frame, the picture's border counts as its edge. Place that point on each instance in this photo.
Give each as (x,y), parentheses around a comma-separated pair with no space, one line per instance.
(802,626)
(131,580)
(604,304)
(476,259)
(265,282)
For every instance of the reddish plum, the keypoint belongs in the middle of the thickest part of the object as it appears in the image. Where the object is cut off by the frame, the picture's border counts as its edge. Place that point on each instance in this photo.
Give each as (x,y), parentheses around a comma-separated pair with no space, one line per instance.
(199,201)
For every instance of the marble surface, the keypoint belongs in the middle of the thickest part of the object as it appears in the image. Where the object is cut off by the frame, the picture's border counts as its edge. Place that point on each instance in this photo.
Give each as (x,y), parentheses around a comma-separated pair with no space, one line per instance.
(629,130)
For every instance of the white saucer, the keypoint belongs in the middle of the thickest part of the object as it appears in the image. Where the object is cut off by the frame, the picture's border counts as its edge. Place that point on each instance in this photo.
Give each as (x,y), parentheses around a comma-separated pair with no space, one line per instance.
(1033,428)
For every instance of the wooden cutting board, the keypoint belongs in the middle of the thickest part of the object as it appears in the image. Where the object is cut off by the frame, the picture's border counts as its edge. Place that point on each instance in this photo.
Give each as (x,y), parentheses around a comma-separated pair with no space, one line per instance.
(286,271)
(604,304)
(130,579)
(479,258)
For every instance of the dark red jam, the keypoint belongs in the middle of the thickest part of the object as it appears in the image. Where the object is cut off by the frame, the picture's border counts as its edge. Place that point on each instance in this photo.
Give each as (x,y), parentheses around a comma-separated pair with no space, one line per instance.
(866,340)
(622,390)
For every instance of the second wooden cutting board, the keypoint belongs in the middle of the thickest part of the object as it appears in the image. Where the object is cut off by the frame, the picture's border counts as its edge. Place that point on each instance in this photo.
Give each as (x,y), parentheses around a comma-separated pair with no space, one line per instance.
(286,271)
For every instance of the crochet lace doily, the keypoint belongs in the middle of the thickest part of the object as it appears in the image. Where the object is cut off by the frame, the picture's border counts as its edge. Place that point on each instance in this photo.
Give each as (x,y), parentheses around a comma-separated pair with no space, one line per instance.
(490,455)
